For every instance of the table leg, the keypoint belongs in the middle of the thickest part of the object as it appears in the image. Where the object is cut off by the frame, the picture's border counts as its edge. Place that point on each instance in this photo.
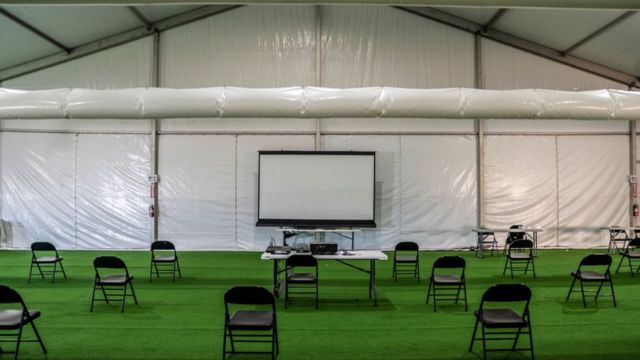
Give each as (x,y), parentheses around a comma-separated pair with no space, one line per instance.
(372,283)
(480,246)
(276,278)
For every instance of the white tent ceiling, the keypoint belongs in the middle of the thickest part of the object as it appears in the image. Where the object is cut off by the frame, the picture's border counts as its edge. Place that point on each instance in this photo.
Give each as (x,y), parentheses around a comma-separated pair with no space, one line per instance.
(604,37)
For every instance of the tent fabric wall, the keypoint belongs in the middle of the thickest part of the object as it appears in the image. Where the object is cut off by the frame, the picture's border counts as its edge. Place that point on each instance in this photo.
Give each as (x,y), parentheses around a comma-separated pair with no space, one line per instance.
(427,172)
(521,184)
(38,184)
(112,192)
(439,190)
(197,191)
(593,188)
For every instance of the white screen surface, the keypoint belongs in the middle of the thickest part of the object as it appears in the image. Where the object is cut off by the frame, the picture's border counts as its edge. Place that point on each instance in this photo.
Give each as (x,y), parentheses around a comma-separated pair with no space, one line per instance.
(317,186)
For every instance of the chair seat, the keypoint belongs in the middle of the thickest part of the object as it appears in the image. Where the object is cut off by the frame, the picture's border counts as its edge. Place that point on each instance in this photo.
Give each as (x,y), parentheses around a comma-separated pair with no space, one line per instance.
(406,258)
(309,278)
(251,320)
(495,318)
(447,279)
(114,280)
(47,259)
(519,256)
(633,255)
(164,258)
(10,319)
(590,276)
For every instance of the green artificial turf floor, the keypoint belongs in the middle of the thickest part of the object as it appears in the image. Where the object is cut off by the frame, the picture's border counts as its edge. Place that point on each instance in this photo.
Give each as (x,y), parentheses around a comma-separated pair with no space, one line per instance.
(184,320)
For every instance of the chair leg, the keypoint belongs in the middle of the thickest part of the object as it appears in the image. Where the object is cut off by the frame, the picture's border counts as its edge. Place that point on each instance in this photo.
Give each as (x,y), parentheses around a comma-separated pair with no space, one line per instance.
(35,331)
(40,270)
(93,296)
(484,343)
(620,263)
(224,341)
(630,267)
(53,276)
(435,307)
(18,340)
(515,340)
(504,271)
(174,271)
(124,297)
(571,288)
(613,295)
(178,265)
(30,271)
(464,286)
(473,336)
(533,266)
(151,270)
(429,290)
(530,339)
(135,299)
(584,301)
(394,271)
(64,274)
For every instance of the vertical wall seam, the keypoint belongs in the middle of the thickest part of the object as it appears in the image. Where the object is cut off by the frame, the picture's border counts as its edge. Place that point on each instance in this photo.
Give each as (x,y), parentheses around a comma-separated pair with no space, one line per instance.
(75,189)
(318,15)
(632,167)
(557,192)
(235,196)
(401,187)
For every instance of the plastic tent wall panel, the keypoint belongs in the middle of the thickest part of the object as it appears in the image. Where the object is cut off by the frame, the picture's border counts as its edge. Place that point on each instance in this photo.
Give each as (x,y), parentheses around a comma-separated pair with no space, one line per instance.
(521,184)
(38,180)
(438,190)
(112,192)
(387,189)
(11,35)
(506,68)
(382,46)
(594,190)
(197,205)
(253,46)
(248,235)
(123,66)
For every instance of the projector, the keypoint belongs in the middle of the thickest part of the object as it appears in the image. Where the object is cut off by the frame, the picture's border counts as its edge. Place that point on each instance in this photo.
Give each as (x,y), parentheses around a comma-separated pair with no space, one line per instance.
(323,248)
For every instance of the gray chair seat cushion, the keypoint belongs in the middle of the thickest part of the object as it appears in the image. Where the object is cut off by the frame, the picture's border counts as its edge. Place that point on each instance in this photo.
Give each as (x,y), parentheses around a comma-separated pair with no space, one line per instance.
(406,258)
(164,258)
(10,318)
(496,318)
(301,278)
(251,319)
(590,276)
(48,259)
(114,280)
(519,256)
(447,279)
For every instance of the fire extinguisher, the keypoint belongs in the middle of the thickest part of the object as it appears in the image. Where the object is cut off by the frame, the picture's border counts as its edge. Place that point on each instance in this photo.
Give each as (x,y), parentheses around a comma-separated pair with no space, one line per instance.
(152,211)
(636,210)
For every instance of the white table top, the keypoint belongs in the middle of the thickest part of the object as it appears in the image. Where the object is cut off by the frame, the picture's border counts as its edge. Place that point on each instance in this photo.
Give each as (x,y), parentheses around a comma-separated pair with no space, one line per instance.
(505,230)
(319,230)
(353,255)
(626,228)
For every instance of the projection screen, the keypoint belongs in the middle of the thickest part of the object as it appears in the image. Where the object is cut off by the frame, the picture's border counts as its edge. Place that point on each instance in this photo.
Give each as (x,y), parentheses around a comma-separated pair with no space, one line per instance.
(316,189)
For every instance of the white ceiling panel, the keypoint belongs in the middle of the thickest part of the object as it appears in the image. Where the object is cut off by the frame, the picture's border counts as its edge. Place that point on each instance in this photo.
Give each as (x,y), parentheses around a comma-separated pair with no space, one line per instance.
(160,12)
(617,47)
(19,45)
(76,25)
(477,15)
(557,29)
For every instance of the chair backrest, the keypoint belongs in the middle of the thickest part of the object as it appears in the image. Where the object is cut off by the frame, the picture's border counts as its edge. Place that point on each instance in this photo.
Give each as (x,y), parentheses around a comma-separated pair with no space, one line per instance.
(109,262)
(513,236)
(521,245)
(406,246)
(596,260)
(301,260)
(9,296)
(633,245)
(162,245)
(42,246)
(507,293)
(449,262)
(249,295)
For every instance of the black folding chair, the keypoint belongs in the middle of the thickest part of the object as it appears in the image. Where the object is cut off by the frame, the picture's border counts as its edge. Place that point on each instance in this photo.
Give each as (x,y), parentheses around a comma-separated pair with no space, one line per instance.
(632,254)
(598,275)
(112,276)
(513,236)
(253,325)
(504,324)
(444,283)
(617,235)
(12,320)
(303,282)
(46,259)
(519,257)
(164,259)
(406,260)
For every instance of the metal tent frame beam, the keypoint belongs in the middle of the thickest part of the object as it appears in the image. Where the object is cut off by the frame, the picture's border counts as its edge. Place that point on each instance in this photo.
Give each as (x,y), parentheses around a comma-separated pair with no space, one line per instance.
(34,30)
(599,31)
(115,40)
(556,4)
(494,19)
(147,24)
(522,44)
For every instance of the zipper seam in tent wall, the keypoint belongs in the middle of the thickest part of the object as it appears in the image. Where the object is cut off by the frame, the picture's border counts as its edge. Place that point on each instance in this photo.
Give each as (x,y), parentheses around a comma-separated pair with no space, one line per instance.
(75,189)
(557,161)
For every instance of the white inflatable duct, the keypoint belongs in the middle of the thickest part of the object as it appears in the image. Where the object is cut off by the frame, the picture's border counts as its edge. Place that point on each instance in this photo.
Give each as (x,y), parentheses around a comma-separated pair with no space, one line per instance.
(315,102)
